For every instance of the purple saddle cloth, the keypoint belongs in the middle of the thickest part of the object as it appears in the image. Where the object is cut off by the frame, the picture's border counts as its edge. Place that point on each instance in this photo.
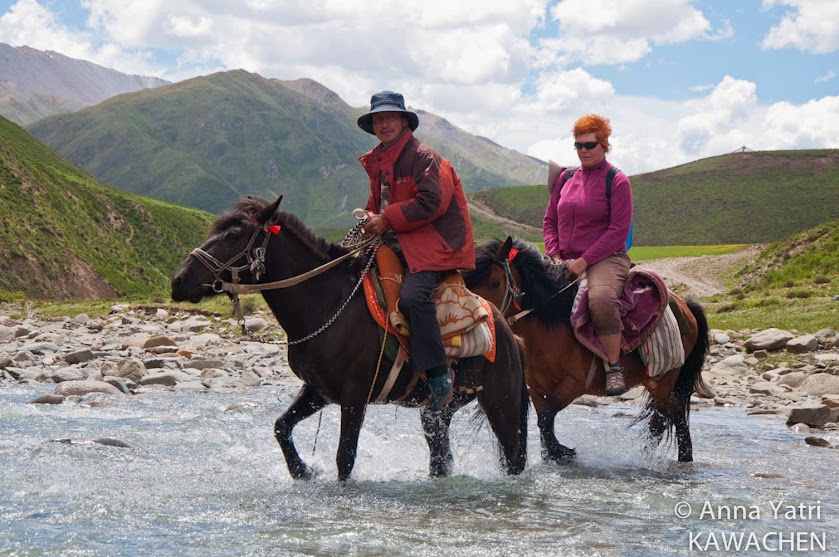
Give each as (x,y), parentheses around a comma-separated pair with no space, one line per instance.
(643,301)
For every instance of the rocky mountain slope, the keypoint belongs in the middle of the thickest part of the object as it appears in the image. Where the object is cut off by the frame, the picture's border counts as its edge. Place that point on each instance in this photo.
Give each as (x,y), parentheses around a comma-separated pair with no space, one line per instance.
(35,84)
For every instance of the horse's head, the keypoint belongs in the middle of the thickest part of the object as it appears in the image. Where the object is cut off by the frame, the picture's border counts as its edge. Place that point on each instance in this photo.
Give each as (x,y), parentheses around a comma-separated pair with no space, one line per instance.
(515,275)
(234,251)
(494,278)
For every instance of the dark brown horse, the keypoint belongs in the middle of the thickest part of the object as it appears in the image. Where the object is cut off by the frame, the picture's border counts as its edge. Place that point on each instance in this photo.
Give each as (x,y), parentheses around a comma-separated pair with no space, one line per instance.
(334,344)
(558,365)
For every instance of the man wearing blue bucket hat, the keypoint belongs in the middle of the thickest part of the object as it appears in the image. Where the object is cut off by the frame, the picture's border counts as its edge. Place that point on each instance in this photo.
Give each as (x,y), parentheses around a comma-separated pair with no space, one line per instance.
(417,194)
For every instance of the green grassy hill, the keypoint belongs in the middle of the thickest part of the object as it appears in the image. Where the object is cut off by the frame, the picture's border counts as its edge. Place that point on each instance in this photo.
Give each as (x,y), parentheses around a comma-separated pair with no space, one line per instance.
(807,259)
(66,235)
(740,198)
(206,141)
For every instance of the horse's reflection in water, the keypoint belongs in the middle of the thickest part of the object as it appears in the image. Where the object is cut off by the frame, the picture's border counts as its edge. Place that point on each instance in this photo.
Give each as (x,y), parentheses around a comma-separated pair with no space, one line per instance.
(337,363)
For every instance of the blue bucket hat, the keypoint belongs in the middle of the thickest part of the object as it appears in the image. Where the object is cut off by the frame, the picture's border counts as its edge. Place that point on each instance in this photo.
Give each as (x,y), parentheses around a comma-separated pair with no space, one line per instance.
(386,101)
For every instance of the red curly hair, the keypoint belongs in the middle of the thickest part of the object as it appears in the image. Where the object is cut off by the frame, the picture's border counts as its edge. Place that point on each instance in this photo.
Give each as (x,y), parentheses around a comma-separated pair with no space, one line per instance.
(596,124)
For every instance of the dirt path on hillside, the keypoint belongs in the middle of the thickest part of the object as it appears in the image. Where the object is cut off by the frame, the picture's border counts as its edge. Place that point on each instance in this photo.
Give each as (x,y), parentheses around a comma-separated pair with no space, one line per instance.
(699,276)
(477,206)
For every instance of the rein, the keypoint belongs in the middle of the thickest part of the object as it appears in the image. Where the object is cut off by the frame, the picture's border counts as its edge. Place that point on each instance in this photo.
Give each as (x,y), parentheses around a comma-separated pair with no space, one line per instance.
(512,292)
(256,264)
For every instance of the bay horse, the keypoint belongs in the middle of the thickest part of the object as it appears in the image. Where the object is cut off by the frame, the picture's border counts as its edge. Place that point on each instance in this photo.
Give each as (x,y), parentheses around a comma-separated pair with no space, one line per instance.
(558,365)
(334,344)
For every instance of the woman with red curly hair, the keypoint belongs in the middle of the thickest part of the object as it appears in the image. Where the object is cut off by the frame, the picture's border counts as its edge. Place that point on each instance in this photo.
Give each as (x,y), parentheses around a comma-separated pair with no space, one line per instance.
(588,230)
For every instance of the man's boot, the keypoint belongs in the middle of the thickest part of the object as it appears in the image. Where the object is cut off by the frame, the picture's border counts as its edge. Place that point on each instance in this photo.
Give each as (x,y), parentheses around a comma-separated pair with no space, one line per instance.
(441,389)
(615,384)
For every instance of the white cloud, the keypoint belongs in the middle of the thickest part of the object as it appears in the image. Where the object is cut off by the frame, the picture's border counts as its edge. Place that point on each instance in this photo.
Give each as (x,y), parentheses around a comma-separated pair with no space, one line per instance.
(559,90)
(473,62)
(828,76)
(812,125)
(810,25)
(621,31)
(716,121)
(29,23)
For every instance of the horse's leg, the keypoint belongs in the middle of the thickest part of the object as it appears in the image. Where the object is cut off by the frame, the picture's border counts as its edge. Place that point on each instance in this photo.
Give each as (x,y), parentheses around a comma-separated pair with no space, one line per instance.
(351,419)
(505,423)
(552,449)
(435,425)
(683,440)
(504,401)
(307,402)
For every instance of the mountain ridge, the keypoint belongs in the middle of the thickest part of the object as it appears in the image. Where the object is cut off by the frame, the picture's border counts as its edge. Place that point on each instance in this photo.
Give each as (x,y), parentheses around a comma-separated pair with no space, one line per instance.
(35,84)
(204,141)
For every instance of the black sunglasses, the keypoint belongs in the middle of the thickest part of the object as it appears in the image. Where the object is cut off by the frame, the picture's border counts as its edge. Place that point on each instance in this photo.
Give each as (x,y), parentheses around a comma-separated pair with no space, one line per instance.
(588,145)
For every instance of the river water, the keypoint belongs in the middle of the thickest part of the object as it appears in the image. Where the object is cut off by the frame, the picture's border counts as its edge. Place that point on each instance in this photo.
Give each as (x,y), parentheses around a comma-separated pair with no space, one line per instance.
(207,478)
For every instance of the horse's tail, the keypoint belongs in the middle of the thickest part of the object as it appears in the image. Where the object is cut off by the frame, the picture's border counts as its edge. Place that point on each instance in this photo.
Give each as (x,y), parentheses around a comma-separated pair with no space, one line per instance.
(690,376)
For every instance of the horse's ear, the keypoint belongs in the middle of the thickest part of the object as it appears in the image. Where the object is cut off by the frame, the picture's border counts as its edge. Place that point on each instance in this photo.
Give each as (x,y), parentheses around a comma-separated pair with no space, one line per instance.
(266,215)
(504,251)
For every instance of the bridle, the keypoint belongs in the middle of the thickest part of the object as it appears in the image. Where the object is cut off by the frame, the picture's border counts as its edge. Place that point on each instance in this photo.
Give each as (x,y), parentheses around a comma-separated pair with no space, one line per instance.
(512,293)
(255,263)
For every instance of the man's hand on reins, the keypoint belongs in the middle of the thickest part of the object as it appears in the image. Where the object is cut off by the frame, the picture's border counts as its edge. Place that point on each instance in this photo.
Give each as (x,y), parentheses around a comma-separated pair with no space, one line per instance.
(375,224)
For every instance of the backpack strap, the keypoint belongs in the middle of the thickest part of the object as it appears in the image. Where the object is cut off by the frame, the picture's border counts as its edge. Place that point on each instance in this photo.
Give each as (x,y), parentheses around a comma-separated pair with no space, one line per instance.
(564,175)
(610,177)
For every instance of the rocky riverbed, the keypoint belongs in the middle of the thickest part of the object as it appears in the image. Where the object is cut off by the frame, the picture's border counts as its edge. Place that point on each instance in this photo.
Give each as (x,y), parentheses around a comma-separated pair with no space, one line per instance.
(134,349)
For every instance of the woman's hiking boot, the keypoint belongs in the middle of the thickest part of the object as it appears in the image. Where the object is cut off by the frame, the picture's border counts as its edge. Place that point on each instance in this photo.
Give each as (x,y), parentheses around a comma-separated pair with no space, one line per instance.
(615,384)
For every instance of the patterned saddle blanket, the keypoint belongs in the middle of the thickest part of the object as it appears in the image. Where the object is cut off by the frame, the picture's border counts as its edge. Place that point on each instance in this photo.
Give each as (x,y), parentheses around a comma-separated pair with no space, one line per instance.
(466,323)
(653,322)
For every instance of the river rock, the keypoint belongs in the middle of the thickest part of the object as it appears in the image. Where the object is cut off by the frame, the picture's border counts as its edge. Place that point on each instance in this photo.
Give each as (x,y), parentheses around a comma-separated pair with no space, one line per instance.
(792,379)
(816,442)
(130,368)
(195,323)
(806,343)
(80,388)
(67,374)
(79,356)
(720,337)
(158,340)
(813,415)
(168,378)
(820,384)
(40,347)
(47,399)
(732,365)
(770,339)
(255,324)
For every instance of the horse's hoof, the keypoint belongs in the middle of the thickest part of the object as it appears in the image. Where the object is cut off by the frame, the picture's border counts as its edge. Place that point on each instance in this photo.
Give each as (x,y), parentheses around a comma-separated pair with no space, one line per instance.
(561,455)
(303,473)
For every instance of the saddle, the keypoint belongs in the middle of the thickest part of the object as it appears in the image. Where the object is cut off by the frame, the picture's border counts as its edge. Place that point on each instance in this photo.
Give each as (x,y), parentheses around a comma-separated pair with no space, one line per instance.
(465,320)
(653,322)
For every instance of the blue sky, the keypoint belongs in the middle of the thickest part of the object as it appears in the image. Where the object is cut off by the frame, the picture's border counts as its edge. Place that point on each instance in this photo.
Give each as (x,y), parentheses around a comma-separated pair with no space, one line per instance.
(680,80)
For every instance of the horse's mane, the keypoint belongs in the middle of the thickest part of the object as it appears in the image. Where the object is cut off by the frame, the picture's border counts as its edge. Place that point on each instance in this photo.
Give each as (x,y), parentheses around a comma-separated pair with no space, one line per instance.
(242,214)
(541,280)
